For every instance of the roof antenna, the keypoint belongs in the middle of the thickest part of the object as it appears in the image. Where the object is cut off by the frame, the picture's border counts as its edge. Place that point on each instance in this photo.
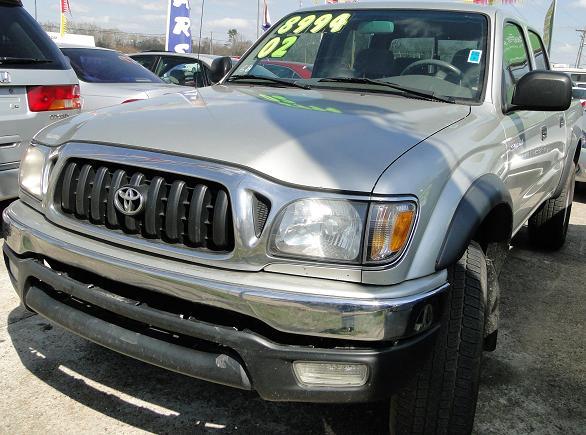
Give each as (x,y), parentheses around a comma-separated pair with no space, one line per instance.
(203,2)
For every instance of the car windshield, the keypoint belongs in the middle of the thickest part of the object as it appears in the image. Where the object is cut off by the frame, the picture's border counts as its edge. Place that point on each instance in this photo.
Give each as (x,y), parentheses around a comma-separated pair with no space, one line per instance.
(433,52)
(106,66)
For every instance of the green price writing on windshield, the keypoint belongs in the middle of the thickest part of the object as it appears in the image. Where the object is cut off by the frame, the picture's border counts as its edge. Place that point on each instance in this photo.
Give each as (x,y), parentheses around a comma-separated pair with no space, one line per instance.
(314,23)
(278,47)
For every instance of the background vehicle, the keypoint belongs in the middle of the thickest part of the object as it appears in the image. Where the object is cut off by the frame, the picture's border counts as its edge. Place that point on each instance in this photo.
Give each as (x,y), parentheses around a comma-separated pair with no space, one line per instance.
(580,94)
(177,68)
(37,87)
(288,70)
(578,75)
(331,239)
(108,78)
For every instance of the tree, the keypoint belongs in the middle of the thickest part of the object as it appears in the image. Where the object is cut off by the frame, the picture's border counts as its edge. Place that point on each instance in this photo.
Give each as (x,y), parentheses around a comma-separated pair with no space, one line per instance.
(235,41)
(233,36)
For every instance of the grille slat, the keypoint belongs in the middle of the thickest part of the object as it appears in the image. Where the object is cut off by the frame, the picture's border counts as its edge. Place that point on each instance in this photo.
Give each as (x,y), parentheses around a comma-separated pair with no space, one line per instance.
(153,218)
(99,199)
(198,214)
(119,179)
(82,194)
(132,223)
(177,210)
(69,184)
(219,230)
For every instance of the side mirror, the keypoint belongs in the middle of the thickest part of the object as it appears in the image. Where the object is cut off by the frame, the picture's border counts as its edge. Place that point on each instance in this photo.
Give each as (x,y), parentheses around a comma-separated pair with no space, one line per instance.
(545,91)
(219,68)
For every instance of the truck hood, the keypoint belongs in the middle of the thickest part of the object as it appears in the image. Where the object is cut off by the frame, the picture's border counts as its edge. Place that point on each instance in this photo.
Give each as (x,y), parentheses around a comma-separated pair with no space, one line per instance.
(317,138)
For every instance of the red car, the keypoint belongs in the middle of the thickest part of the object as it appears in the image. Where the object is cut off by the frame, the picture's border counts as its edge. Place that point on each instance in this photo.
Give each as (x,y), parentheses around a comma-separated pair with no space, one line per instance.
(288,70)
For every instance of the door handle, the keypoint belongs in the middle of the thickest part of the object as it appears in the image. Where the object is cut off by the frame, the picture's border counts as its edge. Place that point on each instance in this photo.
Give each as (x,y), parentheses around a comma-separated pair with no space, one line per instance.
(562,121)
(543,133)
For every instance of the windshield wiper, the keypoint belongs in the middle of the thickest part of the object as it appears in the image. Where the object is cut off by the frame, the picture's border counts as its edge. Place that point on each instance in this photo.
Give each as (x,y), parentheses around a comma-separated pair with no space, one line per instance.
(403,90)
(273,80)
(22,60)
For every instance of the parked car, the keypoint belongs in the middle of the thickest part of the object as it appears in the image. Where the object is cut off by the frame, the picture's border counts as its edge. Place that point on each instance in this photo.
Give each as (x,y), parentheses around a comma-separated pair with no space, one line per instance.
(332,239)
(37,87)
(288,70)
(578,75)
(186,69)
(108,77)
(580,94)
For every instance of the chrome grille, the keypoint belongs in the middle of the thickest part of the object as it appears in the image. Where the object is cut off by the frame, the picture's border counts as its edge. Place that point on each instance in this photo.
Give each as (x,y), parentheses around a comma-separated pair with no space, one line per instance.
(178,210)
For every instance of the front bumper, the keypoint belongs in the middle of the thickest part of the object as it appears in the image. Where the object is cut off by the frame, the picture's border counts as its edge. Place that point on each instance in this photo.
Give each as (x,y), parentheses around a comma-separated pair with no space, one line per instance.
(8,182)
(323,308)
(122,300)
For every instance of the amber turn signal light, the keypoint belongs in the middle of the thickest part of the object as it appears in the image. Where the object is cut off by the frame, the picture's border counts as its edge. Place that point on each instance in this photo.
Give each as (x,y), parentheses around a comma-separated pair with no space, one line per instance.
(390,226)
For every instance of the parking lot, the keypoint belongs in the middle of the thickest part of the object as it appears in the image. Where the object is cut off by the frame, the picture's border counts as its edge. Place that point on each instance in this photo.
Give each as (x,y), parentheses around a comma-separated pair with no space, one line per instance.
(54,382)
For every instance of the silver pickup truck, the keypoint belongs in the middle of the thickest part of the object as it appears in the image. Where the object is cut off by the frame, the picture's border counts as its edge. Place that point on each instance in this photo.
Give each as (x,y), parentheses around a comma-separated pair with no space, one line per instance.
(334,238)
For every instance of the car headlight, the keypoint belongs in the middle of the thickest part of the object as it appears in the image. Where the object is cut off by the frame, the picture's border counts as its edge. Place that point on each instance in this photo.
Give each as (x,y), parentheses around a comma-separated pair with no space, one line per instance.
(320,229)
(333,230)
(32,170)
(389,228)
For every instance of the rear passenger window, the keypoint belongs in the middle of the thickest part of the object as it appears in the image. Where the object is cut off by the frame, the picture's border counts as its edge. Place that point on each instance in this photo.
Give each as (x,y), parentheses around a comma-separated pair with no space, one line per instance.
(515,60)
(538,51)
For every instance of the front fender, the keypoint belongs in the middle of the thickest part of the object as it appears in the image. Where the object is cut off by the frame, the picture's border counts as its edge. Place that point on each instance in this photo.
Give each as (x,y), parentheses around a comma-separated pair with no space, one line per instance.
(484,195)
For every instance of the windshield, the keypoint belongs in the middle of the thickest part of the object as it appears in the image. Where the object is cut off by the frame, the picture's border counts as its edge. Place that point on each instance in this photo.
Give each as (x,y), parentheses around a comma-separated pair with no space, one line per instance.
(436,52)
(23,44)
(106,66)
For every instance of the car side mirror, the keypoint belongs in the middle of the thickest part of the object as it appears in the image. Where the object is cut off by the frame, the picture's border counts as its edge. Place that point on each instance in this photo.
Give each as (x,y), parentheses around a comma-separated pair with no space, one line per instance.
(544,91)
(219,68)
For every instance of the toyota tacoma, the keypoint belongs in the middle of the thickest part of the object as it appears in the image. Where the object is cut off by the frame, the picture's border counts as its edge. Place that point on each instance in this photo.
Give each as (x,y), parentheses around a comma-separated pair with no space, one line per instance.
(334,238)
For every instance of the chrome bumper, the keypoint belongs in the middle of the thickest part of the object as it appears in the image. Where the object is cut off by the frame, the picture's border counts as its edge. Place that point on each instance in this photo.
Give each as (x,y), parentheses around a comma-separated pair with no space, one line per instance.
(8,182)
(292,304)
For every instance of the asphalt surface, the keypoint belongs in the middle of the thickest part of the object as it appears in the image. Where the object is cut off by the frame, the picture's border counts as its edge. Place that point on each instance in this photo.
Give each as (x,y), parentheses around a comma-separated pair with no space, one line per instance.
(535,382)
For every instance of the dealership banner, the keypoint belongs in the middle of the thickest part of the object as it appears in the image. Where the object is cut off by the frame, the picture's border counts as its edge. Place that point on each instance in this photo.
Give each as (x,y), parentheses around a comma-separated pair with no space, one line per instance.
(548,26)
(179,26)
(65,11)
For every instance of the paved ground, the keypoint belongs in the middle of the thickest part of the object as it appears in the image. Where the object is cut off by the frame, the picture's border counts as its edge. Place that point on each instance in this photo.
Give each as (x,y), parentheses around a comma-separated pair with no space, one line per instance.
(54,382)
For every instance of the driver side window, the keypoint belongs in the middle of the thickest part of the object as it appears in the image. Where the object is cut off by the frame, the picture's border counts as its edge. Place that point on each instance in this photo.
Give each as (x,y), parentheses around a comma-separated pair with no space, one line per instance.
(515,60)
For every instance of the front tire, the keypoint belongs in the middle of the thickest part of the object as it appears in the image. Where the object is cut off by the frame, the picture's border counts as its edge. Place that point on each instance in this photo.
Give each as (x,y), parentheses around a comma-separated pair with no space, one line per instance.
(442,397)
(548,227)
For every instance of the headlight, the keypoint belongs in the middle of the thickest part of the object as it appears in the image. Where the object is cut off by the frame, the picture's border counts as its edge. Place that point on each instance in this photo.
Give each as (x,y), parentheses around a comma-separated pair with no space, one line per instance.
(320,229)
(31,177)
(389,228)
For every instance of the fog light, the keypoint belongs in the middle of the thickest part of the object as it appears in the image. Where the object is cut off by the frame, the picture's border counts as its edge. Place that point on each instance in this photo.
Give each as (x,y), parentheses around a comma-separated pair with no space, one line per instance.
(314,374)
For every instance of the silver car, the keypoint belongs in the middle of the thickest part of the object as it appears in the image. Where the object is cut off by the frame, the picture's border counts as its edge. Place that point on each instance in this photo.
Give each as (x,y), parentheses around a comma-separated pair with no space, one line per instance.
(336,238)
(108,77)
(37,87)
(187,69)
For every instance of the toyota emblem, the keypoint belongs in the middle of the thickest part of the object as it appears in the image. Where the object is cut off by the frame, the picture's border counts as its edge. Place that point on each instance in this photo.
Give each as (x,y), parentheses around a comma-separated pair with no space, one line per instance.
(129,200)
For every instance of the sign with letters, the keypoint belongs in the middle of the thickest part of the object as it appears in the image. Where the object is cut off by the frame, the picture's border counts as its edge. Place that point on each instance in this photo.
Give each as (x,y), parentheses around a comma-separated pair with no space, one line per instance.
(179,26)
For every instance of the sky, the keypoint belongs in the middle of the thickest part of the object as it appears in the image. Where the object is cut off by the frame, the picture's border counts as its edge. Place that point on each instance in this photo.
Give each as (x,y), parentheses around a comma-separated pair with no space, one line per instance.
(148,16)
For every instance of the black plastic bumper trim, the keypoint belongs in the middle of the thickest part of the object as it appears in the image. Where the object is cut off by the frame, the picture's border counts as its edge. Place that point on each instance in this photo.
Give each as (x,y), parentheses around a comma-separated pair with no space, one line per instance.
(220,368)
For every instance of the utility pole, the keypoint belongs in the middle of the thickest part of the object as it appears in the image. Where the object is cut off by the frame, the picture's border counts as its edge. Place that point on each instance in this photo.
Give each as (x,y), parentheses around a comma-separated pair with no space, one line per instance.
(257,18)
(581,48)
(36,10)
(211,42)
